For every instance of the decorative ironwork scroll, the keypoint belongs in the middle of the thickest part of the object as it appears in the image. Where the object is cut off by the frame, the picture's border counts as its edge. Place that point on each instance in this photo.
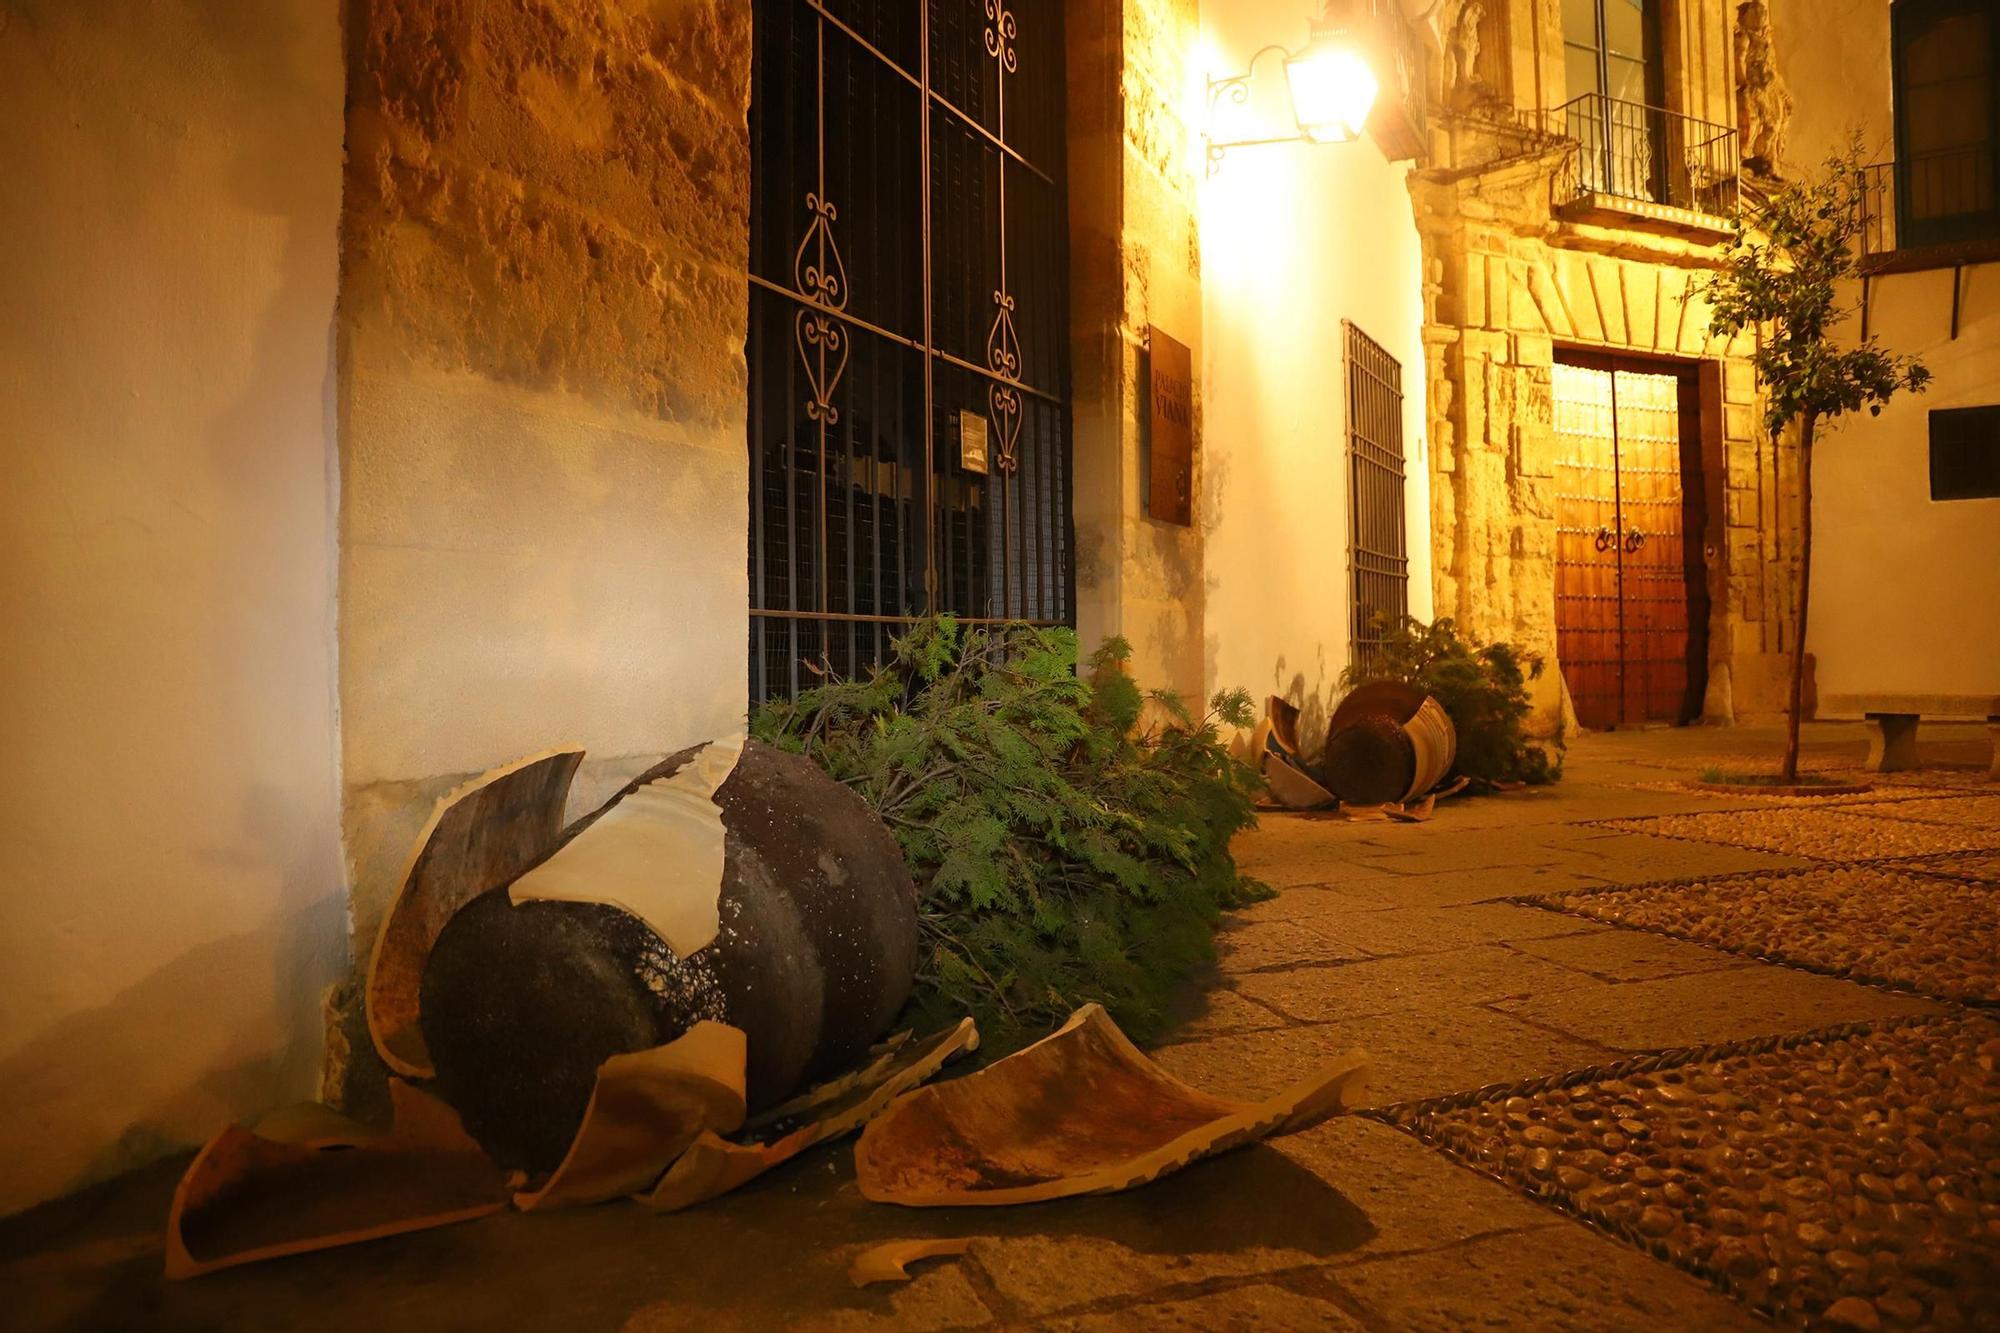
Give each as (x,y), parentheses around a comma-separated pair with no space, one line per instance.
(822,278)
(1003,358)
(1000,35)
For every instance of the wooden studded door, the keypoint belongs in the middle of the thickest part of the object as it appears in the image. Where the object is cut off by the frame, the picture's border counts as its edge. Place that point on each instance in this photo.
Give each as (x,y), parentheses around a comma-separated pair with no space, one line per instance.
(1623,575)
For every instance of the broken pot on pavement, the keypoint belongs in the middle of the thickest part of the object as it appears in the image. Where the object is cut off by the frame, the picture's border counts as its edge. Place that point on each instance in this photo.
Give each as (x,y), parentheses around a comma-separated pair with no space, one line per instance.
(591,1003)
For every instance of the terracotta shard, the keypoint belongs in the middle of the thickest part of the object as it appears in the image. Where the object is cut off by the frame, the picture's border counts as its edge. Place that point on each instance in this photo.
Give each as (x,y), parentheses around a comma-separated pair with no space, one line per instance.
(479,837)
(1079,1112)
(890,1261)
(309,1179)
(714,1166)
(646,1109)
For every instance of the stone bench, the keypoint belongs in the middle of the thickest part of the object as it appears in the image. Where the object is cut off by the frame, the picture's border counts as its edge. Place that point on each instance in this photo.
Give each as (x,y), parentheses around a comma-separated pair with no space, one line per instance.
(1892,722)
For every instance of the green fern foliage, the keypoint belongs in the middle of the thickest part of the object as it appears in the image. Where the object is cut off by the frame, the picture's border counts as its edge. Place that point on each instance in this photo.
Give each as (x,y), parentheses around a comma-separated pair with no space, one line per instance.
(1069,833)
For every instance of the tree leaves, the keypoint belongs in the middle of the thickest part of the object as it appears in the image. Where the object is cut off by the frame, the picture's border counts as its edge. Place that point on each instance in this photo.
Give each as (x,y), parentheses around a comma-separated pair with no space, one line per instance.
(1065,851)
(1783,277)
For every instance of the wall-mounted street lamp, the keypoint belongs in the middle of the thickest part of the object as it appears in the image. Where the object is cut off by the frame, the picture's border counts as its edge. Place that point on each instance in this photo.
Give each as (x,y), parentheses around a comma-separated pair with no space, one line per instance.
(1332,88)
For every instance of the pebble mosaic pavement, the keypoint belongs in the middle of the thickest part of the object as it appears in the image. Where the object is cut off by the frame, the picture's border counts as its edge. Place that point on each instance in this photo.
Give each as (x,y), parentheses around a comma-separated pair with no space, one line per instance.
(1852,1181)
(1844,1179)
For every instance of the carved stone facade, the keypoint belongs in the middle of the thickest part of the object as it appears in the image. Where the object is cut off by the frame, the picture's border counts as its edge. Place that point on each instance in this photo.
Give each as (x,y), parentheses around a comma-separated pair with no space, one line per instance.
(1514,277)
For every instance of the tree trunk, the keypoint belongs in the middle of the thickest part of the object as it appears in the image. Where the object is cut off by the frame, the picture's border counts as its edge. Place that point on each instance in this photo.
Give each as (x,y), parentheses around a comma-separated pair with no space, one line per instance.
(1805,595)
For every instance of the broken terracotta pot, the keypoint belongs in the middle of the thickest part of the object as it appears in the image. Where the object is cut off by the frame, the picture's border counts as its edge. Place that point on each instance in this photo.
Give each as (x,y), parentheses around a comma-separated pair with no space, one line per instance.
(307,1178)
(644,1111)
(481,835)
(1387,743)
(1275,745)
(713,1165)
(1079,1112)
(733,883)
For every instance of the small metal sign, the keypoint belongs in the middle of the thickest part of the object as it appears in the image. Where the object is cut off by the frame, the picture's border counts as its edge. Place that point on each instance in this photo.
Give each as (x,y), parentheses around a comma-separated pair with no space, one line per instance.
(972,441)
(1171,442)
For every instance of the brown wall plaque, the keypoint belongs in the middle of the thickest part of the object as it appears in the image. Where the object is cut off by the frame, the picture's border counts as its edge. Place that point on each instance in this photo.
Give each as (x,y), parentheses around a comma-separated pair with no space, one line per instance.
(1170,497)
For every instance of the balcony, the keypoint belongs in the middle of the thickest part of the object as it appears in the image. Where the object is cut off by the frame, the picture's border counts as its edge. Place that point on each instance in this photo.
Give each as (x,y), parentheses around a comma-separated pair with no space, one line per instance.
(1938,211)
(1644,165)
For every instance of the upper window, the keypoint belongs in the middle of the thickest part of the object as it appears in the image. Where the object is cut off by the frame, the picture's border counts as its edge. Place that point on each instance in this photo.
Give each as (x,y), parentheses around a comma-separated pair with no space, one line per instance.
(1947,120)
(1612,47)
(1965,453)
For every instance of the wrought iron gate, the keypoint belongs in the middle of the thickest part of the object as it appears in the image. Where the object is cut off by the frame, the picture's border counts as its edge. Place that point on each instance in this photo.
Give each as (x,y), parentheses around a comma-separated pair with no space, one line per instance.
(1378,532)
(908,295)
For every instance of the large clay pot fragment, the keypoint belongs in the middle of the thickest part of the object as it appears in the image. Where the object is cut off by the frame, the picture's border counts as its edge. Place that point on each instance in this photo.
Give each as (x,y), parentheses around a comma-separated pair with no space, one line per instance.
(1080,1112)
(481,835)
(308,1179)
(809,948)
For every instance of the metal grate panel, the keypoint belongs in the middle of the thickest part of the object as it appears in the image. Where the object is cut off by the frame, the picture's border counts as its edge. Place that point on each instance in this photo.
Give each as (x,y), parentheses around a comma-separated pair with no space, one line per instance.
(1378,534)
(909,264)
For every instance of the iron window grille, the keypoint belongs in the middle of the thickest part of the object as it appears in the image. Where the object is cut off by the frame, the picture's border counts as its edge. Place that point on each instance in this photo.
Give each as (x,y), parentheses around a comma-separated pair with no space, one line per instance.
(908,280)
(1378,531)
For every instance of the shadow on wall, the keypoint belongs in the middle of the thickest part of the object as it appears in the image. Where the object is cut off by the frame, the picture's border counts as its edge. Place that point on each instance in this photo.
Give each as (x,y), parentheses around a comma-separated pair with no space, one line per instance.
(182,1045)
(1315,699)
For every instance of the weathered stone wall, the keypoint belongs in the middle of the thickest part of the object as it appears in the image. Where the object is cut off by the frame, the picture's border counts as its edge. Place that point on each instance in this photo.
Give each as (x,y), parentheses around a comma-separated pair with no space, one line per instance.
(1508,281)
(1135,260)
(542,396)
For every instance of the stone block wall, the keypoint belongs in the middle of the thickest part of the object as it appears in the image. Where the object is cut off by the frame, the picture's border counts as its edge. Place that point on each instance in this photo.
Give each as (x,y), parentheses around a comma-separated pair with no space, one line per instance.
(542,397)
(1509,282)
(1135,260)
(1508,285)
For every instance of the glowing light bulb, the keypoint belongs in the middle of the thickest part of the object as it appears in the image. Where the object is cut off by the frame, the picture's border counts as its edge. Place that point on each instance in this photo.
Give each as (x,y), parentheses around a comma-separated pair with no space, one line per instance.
(1333,89)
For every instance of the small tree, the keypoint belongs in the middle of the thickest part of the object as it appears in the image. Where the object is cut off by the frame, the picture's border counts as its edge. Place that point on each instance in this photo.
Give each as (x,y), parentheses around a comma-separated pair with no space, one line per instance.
(1782,279)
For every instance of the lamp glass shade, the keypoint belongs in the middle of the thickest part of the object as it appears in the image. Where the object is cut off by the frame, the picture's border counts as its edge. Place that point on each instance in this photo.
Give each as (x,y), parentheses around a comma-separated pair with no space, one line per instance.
(1333,89)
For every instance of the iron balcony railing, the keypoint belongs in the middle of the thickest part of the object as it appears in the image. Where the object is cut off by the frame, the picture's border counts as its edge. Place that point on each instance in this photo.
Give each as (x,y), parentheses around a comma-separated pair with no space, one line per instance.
(1935,200)
(1647,154)
(1878,209)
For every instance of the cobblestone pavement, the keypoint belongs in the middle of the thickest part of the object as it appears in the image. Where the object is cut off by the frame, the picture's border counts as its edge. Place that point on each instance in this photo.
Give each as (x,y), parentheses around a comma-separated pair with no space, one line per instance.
(1409,940)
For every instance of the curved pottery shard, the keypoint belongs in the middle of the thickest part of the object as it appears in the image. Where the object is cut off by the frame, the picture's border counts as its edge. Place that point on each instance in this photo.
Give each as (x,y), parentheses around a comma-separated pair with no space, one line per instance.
(715,1166)
(646,1109)
(1079,1112)
(308,1178)
(890,1261)
(479,837)
(618,858)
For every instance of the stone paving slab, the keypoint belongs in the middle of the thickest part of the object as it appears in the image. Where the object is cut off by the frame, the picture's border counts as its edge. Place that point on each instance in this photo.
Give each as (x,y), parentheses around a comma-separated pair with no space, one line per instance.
(1854,1179)
(1626,955)
(1639,852)
(1708,1007)
(1905,926)
(1417,1053)
(1252,946)
(1549,1280)
(1223,1013)
(1450,977)
(1460,887)
(1398,931)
